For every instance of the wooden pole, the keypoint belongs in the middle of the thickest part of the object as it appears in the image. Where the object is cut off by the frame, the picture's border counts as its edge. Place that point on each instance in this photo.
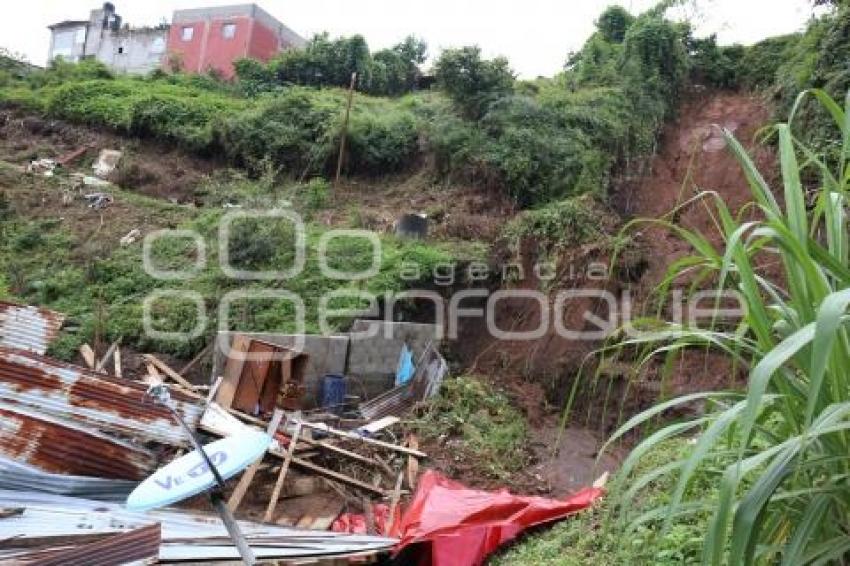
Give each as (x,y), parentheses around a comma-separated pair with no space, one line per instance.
(267,518)
(248,475)
(344,132)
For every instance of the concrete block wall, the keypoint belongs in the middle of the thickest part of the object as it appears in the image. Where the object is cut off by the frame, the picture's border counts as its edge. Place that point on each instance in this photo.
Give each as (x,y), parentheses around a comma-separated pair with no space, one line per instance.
(368,355)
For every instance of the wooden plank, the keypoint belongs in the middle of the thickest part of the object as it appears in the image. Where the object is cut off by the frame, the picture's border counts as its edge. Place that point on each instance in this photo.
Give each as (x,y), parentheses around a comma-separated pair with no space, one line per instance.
(380,424)
(324,472)
(341,451)
(283,470)
(396,495)
(321,513)
(412,462)
(109,352)
(198,357)
(353,436)
(164,368)
(88,355)
(232,371)
(248,475)
(255,372)
(117,359)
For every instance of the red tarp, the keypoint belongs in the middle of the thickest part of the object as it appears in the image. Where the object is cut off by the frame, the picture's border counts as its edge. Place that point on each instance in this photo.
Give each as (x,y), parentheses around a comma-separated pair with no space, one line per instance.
(449,524)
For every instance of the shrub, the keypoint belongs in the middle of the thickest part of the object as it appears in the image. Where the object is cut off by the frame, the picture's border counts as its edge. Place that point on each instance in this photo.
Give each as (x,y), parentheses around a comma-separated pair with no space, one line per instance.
(296,130)
(471,82)
(382,140)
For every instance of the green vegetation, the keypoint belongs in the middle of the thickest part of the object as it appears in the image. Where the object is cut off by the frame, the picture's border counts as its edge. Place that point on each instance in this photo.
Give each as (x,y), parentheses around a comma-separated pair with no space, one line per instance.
(539,142)
(561,225)
(590,538)
(327,62)
(777,452)
(102,287)
(480,423)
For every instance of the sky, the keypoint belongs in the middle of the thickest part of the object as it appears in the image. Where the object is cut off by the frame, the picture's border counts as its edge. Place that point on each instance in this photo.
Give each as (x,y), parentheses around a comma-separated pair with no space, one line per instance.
(535,35)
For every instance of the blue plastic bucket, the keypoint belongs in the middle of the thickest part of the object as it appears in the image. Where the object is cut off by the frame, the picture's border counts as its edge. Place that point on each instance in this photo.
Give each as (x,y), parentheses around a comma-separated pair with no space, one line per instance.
(333,392)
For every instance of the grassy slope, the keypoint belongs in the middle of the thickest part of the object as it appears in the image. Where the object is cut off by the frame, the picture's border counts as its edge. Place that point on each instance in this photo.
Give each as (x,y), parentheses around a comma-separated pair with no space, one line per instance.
(67,257)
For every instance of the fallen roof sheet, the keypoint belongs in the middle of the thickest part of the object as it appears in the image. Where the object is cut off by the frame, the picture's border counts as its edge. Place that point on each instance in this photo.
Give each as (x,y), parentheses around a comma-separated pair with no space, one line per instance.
(185,535)
(25,477)
(27,327)
(425,383)
(93,400)
(59,446)
(140,544)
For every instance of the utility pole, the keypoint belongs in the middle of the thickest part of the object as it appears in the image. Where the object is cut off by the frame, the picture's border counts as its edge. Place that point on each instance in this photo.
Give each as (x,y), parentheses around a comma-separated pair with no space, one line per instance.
(345,127)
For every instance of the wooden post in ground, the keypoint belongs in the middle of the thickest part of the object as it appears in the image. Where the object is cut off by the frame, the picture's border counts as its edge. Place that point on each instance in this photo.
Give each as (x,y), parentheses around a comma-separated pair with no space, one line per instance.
(344,131)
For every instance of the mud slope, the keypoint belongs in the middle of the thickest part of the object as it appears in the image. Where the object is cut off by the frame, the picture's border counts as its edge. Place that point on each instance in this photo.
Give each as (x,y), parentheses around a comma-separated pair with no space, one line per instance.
(693,157)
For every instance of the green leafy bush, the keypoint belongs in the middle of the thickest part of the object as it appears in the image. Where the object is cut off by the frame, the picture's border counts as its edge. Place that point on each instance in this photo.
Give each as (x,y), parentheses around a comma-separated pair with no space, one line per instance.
(471,82)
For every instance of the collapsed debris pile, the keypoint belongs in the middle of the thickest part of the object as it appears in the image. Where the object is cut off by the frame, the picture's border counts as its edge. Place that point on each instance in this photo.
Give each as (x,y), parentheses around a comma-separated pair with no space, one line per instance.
(75,441)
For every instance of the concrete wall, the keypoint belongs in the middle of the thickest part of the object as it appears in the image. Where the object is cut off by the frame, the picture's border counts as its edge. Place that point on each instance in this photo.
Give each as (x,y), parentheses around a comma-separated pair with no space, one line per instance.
(124,50)
(367,356)
(135,51)
(65,41)
(256,34)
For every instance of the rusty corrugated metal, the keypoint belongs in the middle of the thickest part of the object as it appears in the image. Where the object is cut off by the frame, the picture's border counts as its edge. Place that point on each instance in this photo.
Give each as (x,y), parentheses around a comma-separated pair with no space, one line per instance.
(59,446)
(186,535)
(140,544)
(27,327)
(94,401)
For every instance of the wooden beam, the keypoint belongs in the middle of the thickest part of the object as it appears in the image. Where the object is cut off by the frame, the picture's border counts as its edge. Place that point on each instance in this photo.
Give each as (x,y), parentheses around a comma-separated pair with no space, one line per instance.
(324,472)
(248,475)
(102,363)
(412,463)
(283,471)
(117,359)
(194,360)
(396,495)
(88,355)
(164,368)
(353,436)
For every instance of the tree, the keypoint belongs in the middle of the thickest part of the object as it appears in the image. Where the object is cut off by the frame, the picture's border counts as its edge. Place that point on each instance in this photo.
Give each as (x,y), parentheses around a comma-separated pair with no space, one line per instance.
(614,23)
(473,83)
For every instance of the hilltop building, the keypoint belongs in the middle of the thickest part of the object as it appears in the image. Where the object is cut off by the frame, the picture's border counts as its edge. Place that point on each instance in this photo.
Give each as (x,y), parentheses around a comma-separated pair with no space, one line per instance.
(197,40)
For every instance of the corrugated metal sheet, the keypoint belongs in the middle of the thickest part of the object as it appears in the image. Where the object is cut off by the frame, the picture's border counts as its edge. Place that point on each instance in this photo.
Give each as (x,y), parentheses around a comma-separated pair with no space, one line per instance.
(424,384)
(108,404)
(25,477)
(185,535)
(59,446)
(27,327)
(137,545)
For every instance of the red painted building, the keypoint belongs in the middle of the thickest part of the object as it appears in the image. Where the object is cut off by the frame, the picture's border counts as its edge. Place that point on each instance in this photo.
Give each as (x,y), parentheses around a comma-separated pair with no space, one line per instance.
(202,39)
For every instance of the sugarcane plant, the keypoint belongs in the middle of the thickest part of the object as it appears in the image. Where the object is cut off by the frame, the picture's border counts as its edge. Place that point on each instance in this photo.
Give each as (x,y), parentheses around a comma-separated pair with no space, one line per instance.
(778,444)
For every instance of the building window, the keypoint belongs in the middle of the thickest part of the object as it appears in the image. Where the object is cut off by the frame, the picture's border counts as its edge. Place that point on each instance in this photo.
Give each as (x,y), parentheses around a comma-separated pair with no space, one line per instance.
(187,33)
(120,50)
(228,31)
(80,36)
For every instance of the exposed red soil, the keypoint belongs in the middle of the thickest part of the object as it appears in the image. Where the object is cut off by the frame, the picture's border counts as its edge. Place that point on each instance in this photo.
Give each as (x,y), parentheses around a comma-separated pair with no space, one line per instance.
(693,157)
